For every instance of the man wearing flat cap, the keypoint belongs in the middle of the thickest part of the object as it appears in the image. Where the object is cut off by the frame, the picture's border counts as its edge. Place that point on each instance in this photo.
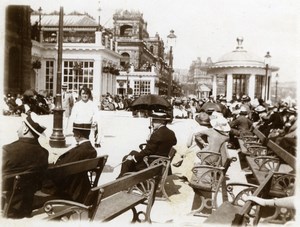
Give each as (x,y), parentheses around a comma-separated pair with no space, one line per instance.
(22,155)
(160,143)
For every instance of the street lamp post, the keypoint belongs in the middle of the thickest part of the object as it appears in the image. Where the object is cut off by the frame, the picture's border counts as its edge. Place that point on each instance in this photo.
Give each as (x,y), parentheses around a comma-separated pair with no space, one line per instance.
(276,86)
(57,139)
(171,42)
(267,63)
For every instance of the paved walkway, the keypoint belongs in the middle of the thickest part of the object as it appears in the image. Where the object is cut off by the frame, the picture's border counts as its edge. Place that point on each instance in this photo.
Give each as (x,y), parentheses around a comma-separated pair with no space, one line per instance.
(123,133)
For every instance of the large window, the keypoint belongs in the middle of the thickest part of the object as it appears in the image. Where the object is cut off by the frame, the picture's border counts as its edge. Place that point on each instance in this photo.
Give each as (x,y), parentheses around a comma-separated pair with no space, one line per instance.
(141,87)
(49,76)
(78,74)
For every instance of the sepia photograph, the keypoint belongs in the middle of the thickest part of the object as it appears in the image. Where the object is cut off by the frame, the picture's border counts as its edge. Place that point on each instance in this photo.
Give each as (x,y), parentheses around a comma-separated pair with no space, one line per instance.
(149,112)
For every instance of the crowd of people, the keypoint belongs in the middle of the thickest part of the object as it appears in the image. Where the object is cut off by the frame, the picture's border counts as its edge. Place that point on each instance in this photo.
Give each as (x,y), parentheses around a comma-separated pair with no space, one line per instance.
(277,121)
(218,121)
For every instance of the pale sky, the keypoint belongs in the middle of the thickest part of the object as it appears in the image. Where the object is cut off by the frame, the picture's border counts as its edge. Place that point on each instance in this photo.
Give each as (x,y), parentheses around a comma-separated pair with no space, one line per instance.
(207,28)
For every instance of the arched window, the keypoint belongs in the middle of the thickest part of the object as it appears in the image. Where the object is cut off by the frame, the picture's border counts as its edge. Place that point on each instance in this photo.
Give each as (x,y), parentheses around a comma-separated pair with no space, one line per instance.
(151,49)
(125,59)
(126,31)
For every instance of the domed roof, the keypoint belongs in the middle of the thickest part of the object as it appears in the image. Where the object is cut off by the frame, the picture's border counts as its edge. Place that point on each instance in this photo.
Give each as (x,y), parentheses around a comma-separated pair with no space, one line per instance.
(239,58)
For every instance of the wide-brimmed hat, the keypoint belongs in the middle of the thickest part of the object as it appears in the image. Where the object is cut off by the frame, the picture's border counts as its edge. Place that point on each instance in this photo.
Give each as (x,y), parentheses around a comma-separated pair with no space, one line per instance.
(246,98)
(64,86)
(220,124)
(203,119)
(215,115)
(260,109)
(243,110)
(32,120)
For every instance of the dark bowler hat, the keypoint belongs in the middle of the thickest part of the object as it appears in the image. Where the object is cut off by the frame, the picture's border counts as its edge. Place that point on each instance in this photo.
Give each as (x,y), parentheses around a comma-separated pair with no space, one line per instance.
(203,119)
(82,126)
(246,98)
(32,120)
(160,117)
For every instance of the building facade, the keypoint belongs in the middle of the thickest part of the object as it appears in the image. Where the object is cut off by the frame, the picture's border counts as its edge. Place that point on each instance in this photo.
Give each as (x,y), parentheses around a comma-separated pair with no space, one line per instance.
(89,54)
(144,69)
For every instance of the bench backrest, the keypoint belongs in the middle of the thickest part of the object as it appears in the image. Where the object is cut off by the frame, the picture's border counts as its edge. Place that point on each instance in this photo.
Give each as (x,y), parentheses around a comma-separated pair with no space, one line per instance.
(260,135)
(96,194)
(19,182)
(282,153)
(95,165)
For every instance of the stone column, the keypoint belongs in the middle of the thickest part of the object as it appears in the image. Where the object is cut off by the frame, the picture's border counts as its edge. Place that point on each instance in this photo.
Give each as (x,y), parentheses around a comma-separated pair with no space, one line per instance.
(251,87)
(214,87)
(229,87)
(97,86)
(98,38)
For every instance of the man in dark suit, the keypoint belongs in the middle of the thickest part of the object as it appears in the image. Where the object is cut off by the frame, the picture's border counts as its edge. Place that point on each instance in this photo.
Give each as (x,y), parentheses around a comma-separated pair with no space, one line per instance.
(76,187)
(161,141)
(25,154)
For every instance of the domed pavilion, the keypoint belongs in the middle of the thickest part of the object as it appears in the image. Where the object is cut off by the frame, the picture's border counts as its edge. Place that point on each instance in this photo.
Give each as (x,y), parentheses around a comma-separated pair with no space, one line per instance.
(242,73)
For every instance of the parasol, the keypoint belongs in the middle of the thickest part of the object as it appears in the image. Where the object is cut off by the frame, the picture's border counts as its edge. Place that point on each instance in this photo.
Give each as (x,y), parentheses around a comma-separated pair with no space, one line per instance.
(151,102)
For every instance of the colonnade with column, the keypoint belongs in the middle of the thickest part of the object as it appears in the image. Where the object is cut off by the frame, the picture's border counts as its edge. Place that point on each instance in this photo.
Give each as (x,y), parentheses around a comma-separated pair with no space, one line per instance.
(250,84)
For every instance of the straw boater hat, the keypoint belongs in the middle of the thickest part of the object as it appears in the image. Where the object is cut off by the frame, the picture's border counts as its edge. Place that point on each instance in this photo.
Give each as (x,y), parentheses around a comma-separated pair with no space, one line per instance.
(243,110)
(260,109)
(220,124)
(32,120)
(215,115)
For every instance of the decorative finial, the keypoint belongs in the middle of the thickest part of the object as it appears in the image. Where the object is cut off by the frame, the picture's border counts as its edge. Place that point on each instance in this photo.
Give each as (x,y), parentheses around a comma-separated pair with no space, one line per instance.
(240,42)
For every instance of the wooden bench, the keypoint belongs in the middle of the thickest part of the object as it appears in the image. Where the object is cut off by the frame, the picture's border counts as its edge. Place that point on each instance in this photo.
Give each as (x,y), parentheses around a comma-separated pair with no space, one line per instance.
(240,212)
(108,201)
(18,183)
(207,180)
(282,164)
(257,139)
(155,160)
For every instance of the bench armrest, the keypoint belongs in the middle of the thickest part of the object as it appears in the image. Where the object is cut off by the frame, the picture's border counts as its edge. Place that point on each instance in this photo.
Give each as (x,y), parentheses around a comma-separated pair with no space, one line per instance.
(59,209)
(206,178)
(267,163)
(237,189)
(257,150)
(209,158)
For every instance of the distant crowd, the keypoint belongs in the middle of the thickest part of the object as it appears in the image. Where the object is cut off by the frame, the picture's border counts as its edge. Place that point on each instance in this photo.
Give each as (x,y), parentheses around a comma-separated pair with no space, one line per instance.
(277,121)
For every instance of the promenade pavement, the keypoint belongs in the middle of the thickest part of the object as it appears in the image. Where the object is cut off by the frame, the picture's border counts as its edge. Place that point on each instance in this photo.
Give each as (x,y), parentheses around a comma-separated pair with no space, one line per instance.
(123,133)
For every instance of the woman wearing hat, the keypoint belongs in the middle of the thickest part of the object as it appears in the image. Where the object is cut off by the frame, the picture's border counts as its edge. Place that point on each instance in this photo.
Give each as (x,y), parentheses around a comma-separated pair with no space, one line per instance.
(85,114)
(212,139)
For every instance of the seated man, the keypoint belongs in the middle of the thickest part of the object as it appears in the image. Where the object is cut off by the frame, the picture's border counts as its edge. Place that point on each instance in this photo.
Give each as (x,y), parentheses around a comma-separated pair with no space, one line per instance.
(160,143)
(24,154)
(74,187)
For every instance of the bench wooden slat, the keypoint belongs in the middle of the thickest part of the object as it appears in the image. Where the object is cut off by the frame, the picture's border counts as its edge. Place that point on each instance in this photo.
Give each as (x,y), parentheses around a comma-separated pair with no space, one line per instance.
(126,182)
(114,198)
(283,154)
(110,209)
